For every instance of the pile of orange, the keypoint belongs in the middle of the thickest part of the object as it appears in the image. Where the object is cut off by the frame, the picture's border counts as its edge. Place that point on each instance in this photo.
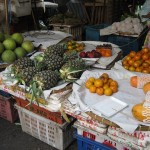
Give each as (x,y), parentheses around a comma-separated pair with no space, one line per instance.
(105,52)
(104,85)
(138,61)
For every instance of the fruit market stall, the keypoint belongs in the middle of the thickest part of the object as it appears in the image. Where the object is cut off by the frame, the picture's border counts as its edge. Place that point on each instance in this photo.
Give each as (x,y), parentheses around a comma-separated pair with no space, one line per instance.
(103,100)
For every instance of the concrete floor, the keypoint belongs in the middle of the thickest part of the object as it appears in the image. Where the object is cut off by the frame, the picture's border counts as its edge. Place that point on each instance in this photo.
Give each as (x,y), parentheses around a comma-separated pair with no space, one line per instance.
(12,138)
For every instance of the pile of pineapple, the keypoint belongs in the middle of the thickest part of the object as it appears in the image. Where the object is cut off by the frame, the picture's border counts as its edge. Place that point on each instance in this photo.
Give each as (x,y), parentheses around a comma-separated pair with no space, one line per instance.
(47,69)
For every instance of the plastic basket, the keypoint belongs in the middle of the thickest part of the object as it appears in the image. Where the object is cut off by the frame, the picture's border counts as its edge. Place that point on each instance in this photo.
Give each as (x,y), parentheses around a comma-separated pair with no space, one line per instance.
(87,144)
(7,110)
(92,32)
(58,136)
(127,44)
(54,116)
(100,138)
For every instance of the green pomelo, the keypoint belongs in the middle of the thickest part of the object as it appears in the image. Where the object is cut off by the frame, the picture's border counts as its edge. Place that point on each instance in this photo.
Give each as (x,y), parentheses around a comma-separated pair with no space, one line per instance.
(20,52)
(1,48)
(9,44)
(2,37)
(18,37)
(28,46)
(8,56)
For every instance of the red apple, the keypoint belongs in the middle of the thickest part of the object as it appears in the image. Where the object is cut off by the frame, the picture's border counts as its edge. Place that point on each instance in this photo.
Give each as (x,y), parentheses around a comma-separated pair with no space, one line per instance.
(91,55)
(82,54)
(97,54)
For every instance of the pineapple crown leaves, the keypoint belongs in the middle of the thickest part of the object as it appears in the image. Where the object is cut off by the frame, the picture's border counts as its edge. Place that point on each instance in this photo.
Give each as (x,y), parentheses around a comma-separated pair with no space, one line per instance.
(36,92)
(14,76)
(66,75)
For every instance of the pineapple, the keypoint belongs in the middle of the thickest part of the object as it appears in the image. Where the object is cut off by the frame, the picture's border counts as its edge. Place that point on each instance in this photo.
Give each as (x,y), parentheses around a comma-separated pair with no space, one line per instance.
(23,63)
(46,79)
(20,64)
(26,74)
(53,62)
(43,80)
(72,69)
(55,49)
(70,55)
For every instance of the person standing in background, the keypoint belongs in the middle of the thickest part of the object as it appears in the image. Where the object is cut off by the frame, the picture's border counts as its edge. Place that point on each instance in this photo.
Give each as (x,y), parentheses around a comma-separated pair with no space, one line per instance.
(144,14)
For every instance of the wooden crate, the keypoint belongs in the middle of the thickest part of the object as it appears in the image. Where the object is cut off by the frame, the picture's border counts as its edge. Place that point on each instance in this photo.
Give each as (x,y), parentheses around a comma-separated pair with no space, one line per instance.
(75,30)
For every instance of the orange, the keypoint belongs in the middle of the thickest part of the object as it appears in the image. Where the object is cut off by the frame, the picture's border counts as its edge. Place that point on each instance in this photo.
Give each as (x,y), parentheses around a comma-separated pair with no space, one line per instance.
(145,65)
(146,87)
(130,62)
(138,69)
(114,89)
(124,62)
(133,81)
(145,50)
(88,84)
(137,57)
(108,92)
(70,47)
(102,51)
(145,57)
(108,53)
(132,53)
(131,68)
(98,83)
(91,79)
(100,91)
(92,89)
(126,67)
(105,86)
(110,80)
(127,58)
(105,75)
(114,83)
(136,64)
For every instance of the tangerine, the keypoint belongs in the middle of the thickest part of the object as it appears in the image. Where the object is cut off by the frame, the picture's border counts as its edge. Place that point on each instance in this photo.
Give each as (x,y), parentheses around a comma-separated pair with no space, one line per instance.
(108,92)
(92,89)
(145,50)
(105,86)
(145,57)
(132,53)
(88,84)
(92,79)
(98,83)
(114,89)
(100,91)
(114,83)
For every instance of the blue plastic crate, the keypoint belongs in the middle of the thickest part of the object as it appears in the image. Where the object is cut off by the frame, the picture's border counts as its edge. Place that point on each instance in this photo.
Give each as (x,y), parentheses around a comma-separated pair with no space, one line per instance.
(87,144)
(92,32)
(127,44)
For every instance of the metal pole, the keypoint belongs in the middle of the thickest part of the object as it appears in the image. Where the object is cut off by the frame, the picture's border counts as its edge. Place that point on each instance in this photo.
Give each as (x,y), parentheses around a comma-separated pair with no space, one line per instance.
(6,16)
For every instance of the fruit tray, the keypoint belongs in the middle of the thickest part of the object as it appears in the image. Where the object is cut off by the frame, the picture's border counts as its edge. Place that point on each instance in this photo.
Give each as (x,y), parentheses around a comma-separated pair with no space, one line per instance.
(102,62)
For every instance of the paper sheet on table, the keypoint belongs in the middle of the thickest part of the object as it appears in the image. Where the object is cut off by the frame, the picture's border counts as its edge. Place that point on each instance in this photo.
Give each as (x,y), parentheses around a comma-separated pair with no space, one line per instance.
(45,37)
(126,94)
